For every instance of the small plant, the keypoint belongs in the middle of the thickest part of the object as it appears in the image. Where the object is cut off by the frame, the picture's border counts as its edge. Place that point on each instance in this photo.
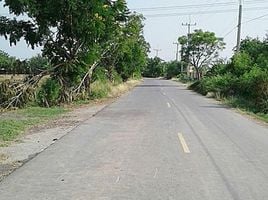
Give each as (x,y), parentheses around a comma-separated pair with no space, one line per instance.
(49,93)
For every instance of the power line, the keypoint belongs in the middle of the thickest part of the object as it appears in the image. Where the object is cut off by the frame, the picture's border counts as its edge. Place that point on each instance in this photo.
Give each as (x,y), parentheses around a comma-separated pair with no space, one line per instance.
(203,13)
(183,7)
(229,32)
(195,6)
(255,19)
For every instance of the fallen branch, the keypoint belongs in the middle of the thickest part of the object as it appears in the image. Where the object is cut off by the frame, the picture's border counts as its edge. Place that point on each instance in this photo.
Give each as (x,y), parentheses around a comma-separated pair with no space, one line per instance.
(22,89)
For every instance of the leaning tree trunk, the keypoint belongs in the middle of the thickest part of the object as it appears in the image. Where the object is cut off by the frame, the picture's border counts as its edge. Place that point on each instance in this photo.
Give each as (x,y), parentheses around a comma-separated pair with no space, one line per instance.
(198,75)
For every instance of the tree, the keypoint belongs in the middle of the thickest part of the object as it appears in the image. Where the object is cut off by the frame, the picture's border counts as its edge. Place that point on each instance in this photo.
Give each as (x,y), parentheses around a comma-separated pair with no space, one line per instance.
(131,54)
(173,69)
(257,50)
(7,63)
(75,35)
(37,64)
(154,68)
(200,48)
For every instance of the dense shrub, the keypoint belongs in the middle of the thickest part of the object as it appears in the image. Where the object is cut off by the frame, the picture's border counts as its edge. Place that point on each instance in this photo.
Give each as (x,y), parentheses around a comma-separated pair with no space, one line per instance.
(173,69)
(100,89)
(49,93)
(200,87)
(155,68)
(245,78)
(241,63)
(254,86)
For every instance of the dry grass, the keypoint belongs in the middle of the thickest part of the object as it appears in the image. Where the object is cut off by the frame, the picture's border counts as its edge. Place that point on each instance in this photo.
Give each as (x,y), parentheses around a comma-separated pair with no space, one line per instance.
(120,89)
(17,77)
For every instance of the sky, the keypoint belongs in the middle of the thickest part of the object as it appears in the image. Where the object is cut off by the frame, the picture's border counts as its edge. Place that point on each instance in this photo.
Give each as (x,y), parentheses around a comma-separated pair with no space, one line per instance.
(162,32)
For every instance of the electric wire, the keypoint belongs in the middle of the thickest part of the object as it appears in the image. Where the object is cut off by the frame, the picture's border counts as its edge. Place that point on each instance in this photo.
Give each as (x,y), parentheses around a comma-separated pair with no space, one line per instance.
(196,5)
(253,19)
(203,13)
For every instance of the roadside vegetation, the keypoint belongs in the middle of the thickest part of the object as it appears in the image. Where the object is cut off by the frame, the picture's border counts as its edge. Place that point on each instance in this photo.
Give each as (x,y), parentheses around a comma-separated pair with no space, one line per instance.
(80,40)
(242,82)
(13,123)
(89,51)
(156,67)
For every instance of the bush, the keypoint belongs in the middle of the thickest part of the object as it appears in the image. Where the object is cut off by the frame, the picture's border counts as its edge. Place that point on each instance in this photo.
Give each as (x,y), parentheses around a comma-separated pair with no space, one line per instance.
(200,87)
(49,93)
(173,69)
(222,85)
(244,80)
(100,89)
(241,63)
(115,78)
(184,78)
(100,74)
(254,86)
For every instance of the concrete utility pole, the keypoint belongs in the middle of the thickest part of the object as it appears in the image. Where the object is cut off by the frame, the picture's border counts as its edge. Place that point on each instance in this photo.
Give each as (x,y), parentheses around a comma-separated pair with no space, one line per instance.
(157,52)
(189,25)
(177,54)
(239,26)
(177,50)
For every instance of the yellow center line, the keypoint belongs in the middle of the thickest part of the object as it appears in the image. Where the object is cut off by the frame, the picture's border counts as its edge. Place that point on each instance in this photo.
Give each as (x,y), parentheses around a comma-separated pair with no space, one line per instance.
(183,143)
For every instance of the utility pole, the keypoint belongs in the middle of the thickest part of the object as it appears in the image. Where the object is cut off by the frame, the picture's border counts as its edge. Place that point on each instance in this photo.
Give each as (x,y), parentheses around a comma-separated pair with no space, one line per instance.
(239,26)
(157,52)
(189,25)
(177,55)
(177,50)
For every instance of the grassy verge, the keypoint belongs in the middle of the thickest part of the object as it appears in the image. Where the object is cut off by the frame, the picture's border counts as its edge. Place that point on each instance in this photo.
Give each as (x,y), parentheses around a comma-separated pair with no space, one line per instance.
(13,123)
(106,89)
(245,107)
(241,104)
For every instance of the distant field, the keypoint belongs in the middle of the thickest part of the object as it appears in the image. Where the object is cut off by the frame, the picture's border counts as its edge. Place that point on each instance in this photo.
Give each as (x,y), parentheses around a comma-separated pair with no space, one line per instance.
(18,77)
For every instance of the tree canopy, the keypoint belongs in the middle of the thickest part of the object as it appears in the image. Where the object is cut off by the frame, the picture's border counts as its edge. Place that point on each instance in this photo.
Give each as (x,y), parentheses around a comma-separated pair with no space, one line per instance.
(200,48)
(77,37)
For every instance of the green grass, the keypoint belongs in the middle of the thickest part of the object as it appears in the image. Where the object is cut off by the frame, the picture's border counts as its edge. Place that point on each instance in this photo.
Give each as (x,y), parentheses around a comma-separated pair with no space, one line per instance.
(13,123)
(246,107)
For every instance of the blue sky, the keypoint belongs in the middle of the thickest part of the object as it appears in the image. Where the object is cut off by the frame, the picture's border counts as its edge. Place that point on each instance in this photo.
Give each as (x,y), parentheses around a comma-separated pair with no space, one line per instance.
(161,32)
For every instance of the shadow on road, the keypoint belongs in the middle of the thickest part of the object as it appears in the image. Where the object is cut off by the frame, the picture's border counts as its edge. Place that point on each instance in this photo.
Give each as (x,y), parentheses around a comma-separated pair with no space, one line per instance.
(145,86)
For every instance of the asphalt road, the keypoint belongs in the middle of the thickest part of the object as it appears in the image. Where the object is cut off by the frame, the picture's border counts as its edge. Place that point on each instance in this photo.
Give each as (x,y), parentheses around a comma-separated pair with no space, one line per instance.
(160,141)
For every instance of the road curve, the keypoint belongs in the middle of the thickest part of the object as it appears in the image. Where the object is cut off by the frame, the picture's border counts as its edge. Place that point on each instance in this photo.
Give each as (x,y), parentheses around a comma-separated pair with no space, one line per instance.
(161,141)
